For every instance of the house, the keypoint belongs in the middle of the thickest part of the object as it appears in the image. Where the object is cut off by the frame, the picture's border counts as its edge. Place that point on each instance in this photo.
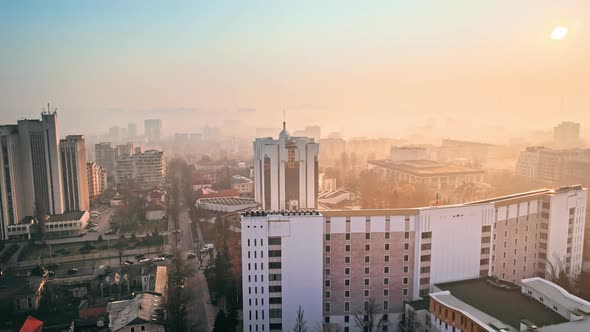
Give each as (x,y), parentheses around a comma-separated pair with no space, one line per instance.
(242,185)
(32,324)
(201,180)
(21,294)
(156,195)
(155,211)
(143,312)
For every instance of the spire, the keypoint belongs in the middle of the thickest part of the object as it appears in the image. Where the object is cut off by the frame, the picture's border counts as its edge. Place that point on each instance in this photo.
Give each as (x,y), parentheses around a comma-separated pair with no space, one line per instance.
(284,133)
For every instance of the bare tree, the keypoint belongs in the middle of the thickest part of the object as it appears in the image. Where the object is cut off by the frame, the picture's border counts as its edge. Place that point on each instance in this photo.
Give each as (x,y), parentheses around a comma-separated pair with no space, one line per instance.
(413,324)
(300,322)
(322,327)
(558,272)
(370,317)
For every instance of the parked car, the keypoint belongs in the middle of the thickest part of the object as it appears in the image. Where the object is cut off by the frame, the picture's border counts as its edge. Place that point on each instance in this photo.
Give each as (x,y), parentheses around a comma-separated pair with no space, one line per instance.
(208,247)
(72,270)
(168,255)
(128,262)
(140,256)
(191,255)
(145,260)
(158,259)
(109,232)
(93,230)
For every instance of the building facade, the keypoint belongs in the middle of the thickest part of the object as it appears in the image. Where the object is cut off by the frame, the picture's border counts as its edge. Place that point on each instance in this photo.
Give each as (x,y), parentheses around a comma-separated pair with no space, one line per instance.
(12,199)
(153,130)
(567,134)
(146,168)
(97,180)
(550,165)
(334,263)
(286,172)
(105,156)
(74,173)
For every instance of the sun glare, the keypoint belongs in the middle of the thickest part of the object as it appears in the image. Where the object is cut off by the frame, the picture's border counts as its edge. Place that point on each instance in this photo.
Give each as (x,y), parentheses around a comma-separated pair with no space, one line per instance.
(559,32)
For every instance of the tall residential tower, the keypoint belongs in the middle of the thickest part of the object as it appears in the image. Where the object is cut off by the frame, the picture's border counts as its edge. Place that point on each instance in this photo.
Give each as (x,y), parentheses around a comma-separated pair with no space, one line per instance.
(74,173)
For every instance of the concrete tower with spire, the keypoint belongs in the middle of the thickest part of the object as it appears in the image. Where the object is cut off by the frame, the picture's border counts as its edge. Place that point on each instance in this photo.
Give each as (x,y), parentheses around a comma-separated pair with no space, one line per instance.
(286,172)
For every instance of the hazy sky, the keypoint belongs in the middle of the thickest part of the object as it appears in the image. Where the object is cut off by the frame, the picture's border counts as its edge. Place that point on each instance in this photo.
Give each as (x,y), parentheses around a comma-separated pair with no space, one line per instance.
(465,68)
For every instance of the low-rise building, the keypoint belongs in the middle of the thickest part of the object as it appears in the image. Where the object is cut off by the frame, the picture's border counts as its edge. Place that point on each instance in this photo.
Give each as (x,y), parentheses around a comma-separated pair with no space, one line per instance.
(155,211)
(144,312)
(489,304)
(242,185)
(334,197)
(428,172)
(227,204)
(20,294)
(67,224)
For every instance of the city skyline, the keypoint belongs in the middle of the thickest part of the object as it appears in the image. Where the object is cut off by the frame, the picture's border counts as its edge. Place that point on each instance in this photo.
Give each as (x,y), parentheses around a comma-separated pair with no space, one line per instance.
(319,62)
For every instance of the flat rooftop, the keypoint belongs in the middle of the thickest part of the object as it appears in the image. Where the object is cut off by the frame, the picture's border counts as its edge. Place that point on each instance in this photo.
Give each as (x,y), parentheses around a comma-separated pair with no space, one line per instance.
(509,306)
(426,168)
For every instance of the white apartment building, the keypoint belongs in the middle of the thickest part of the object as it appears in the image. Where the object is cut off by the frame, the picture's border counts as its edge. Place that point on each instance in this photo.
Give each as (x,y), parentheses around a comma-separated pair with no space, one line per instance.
(97,180)
(146,168)
(545,164)
(332,263)
(286,172)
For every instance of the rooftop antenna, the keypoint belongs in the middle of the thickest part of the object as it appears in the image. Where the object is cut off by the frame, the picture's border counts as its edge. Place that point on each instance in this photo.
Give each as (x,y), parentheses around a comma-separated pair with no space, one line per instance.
(284,120)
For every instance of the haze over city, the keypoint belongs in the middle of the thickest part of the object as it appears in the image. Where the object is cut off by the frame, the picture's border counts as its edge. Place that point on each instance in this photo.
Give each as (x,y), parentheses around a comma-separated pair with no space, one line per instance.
(304,166)
(387,69)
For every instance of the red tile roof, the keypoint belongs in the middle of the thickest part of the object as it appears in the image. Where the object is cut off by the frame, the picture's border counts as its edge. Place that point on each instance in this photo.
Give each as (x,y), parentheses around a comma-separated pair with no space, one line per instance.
(92,312)
(32,324)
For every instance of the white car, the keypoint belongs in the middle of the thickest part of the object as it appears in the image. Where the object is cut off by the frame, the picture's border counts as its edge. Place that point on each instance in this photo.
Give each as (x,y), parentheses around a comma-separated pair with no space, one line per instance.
(145,260)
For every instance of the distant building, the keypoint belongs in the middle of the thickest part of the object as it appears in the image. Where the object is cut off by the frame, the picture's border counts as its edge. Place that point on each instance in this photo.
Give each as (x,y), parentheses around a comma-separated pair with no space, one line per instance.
(334,197)
(327,183)
(567,134)
(124,150)
(405,153)
(115,133)
(331,263)
(549,165)
(243,185)
(147,168)
(478,154)
(153,130)
(226,204)
(74,173)
(286,172)
(105,156)
(155,211)
(144,312)
(131,131)
(488,304)
(332,149)
(430,173)
(314,132)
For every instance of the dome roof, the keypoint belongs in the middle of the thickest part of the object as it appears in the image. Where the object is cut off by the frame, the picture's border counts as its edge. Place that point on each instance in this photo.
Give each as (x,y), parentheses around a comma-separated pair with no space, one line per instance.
(284,133)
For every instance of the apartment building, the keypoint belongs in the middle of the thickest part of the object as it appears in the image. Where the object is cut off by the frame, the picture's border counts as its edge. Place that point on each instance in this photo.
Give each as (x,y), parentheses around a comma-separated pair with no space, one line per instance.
(97,180)
(74,173)
(146,168)
(550,165)
(105,155)
(335,263)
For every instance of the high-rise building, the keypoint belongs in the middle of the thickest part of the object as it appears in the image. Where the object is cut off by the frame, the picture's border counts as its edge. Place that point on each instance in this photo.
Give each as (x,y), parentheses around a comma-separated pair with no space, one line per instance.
(97,180)
(115,133)
(153,128)
(74,173)
(105,156)
(333,263)
(41,164)
(567,134)
(131,131)
(12,199)
(147,168)
(286,172)
(549,165)
(124,150)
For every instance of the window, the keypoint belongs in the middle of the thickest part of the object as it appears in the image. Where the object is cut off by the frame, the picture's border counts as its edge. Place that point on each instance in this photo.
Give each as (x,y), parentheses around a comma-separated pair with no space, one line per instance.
(346,307)
(387,246)
(386,292)
(405,280)
(386,269)
(424,281)
(275,300)
(274,265)
(427,235)
(327,307)
(406,258)
(346,282)
(366,270)
(366,293)
(347,236)
(327,248)
(274,241)
(327,294)
(327,272)
(405,292)
(385,305)
(387,235)
(346,293)
(386,259)
(327,259)
(327,282)
(426,246)
(367,236)
(346,319)
(485,229)
(367,259)
(406,246)
(385,281)
(425,269)
(367,247)
(133,329)
(425,258)
(347,247)
(406,235)
(347,259)
(366,281)
(327,237)
(142,328)
(346,270)
(274,289)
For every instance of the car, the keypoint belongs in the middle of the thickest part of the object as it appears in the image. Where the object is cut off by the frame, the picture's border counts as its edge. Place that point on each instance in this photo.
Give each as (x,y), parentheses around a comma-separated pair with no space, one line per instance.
(93,230)
(93,224)
(109,232)
(140,256)
(128,262)
(191,255)
(145,260)
(168,255)
(158,259)
(208,247)
(51,273)
(72,270)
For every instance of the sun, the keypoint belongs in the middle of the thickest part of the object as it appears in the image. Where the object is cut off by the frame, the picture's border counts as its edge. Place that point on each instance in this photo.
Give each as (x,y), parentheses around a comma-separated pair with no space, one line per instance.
(559,32)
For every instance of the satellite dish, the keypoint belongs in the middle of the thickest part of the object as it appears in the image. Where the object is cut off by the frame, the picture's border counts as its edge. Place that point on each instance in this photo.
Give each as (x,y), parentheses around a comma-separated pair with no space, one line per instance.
(100,323)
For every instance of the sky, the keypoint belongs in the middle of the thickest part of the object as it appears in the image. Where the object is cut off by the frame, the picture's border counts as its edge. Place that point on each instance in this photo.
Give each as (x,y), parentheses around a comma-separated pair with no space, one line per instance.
(482,70)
